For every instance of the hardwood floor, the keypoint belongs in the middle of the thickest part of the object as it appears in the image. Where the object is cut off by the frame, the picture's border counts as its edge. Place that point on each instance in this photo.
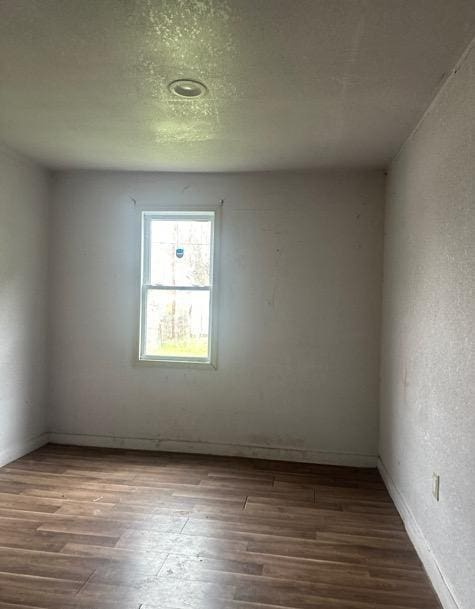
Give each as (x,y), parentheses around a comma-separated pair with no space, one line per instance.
(94,529)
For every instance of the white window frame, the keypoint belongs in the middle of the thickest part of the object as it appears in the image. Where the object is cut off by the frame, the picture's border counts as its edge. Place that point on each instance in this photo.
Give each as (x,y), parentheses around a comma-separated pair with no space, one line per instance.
(210,215)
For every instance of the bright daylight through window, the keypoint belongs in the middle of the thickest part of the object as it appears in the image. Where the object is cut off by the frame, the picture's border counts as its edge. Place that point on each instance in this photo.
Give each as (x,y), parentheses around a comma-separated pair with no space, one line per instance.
(177,286)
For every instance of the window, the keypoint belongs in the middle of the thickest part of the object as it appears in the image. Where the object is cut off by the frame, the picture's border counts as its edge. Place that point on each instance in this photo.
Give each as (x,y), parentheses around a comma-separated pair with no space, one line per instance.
(176,322)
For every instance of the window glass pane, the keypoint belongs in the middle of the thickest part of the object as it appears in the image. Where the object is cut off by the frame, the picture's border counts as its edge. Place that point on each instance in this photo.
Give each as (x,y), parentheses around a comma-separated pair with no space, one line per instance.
(180,252)
(177,323)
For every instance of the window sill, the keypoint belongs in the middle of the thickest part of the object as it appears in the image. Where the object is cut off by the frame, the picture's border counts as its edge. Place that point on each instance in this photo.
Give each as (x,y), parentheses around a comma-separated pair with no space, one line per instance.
(175,363)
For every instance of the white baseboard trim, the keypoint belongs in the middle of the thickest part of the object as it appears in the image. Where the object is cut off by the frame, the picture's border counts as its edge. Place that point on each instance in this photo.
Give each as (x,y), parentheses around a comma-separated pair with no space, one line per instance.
(22,448)
(213,448)
(420,543)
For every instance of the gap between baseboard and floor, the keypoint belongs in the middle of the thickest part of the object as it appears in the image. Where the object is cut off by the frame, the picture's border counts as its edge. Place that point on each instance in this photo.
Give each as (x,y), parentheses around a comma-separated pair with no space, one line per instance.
(420,543)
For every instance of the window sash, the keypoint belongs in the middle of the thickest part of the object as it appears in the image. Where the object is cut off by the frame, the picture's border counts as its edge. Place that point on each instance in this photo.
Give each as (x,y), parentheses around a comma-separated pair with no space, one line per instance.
(146,285)
(187,288)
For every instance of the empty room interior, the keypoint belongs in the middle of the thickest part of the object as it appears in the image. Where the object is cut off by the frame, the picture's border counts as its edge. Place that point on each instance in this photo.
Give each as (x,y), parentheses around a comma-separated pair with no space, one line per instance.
(237,304)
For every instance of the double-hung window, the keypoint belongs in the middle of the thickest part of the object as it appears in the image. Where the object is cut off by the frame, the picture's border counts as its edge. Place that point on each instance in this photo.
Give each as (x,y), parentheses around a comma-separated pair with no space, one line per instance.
(176,321)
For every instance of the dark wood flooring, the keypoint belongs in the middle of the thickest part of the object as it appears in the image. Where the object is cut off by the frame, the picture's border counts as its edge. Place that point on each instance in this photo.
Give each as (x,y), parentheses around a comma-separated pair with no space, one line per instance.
(94,529)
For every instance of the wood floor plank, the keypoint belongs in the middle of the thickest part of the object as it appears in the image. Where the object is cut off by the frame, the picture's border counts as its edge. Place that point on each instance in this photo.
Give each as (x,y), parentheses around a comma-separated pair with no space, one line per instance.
(84,528)
(51,565)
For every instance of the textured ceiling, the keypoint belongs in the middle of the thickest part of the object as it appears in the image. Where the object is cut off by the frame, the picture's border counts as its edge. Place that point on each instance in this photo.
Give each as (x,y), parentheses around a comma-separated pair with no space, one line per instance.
(292,83)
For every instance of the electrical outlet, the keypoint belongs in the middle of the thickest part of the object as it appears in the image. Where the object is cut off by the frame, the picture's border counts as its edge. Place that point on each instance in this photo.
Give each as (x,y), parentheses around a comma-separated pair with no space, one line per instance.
(435,485)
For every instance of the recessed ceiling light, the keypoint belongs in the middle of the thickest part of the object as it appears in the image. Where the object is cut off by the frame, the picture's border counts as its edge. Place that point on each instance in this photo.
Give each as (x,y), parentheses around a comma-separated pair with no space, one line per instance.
(189,89)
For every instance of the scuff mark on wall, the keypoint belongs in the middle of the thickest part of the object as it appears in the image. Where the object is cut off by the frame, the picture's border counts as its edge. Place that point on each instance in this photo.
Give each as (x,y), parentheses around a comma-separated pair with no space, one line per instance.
(275,278)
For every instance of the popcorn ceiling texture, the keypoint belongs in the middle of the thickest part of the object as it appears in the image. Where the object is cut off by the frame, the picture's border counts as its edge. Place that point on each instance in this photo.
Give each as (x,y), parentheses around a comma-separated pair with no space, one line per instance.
(292,84)
(428,353)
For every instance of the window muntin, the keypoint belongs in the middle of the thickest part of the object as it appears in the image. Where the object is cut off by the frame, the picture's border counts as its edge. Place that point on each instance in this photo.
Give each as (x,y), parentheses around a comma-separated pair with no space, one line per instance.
(177,286)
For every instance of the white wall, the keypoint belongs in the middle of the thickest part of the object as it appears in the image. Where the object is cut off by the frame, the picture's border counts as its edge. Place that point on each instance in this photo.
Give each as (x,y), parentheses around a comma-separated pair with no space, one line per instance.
(299,317)
(23,296)
(428,354)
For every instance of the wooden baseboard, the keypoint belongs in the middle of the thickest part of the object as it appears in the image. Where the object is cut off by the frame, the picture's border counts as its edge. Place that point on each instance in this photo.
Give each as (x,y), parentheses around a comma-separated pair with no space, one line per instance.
(210,448)
(422,546)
